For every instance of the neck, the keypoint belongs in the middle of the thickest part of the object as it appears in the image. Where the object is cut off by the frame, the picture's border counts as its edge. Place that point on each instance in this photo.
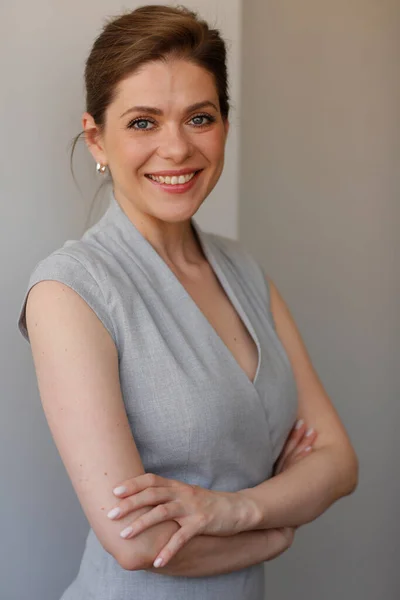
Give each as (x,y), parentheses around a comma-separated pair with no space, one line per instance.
(176,243)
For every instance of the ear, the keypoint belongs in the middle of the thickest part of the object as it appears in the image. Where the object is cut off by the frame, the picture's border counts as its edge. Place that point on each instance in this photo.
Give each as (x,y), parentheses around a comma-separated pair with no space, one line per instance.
(94,139)
(226,125)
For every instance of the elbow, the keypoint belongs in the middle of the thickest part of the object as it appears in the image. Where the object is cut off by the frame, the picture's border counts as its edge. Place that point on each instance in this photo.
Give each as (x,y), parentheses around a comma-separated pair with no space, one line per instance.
(131,562)
(140,561)
(139,552)
(345,471)
(350,481)
(354,474)
(130,557)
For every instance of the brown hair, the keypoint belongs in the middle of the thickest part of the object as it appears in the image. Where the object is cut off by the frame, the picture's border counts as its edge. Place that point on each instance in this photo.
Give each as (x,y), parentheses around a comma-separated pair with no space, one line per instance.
(150,33)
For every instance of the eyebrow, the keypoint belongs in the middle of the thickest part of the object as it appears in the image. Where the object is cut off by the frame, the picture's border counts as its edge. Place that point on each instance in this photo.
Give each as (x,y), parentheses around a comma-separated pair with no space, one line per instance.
(159,112)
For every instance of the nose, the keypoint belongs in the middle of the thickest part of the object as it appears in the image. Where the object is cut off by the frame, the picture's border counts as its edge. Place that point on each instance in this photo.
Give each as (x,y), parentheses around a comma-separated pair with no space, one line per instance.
(175,145)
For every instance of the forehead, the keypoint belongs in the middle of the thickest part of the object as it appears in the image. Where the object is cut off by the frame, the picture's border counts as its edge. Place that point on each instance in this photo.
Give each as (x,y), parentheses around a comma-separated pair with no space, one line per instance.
(171,84)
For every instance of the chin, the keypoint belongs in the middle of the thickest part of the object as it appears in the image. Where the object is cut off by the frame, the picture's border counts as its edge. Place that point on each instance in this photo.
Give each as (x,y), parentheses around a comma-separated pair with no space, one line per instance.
(177,216)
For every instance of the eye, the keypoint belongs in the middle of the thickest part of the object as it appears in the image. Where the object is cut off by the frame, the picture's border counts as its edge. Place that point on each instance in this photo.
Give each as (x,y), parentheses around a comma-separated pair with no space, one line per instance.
(198,120)
(141,124)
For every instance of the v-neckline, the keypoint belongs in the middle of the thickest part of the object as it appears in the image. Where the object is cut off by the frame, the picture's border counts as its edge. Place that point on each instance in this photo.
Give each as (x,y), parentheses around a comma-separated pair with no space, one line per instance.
(219,274)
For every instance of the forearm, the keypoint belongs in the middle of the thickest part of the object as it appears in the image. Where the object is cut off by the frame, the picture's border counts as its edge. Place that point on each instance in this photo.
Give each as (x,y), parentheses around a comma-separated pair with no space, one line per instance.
(304,491)
(206,555)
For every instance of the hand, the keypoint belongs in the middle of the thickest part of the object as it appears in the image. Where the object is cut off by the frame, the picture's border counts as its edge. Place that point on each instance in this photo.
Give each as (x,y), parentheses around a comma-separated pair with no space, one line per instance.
(297,446)
(197,510)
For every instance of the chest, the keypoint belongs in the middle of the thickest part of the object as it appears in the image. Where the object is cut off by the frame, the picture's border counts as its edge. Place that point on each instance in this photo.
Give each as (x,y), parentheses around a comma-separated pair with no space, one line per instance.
(206,384)
(212,300)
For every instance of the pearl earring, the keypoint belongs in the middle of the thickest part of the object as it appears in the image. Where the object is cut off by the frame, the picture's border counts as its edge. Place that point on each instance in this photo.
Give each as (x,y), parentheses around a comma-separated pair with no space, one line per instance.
(101,168)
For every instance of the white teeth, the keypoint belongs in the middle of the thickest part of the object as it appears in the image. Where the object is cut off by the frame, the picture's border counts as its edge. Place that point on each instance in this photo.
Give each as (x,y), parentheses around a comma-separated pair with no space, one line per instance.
(174,180)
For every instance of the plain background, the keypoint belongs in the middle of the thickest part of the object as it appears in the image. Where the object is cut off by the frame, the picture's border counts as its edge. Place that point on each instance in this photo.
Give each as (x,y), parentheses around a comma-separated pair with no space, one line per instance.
(311,186)
(319,205)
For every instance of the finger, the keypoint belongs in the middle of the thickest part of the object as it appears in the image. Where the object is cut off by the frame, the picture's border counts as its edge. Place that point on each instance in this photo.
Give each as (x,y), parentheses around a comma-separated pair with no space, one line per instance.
(163,512)
(295,436)
(281,463)
(177,541)
(304,450)
(292,441)
(148,497)
(141,482)
(302,454)
(296,456)
(308,440)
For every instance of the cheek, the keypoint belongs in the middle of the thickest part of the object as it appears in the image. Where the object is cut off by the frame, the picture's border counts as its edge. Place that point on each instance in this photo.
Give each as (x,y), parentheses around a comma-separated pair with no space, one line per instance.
(132,153)
(213,146)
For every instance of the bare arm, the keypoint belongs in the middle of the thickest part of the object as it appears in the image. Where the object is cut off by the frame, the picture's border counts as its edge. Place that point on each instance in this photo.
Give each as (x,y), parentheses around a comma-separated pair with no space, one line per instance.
(76,365)
(303,492)
(207,555)
(308,488)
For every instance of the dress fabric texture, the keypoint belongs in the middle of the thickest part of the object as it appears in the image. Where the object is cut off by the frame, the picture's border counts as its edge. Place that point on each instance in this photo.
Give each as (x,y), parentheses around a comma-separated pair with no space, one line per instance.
(194,413)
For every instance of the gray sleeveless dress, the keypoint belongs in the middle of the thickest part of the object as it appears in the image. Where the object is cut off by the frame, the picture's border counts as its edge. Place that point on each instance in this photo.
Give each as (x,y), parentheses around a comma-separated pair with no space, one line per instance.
(194,413)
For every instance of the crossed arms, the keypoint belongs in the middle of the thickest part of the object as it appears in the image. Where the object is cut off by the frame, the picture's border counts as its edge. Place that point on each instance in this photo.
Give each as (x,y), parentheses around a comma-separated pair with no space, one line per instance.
(77,371)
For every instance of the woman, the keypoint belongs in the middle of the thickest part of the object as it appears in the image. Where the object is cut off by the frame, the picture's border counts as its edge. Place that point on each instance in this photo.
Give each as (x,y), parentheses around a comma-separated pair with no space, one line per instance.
(174,380)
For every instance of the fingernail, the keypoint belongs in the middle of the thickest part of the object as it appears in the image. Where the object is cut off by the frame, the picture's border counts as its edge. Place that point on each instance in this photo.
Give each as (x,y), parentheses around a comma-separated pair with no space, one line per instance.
(119,490)
(115,512)
(157,562)
(309,432)
(299,424)
(307,449)
(125,532)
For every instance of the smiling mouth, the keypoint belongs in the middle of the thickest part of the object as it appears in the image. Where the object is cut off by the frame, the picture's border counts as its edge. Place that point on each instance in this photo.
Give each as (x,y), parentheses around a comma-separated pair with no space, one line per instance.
(174,179)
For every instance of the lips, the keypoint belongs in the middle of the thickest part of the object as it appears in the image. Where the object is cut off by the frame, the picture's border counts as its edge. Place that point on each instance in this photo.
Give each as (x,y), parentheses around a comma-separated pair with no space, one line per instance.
(175,184)
(174,180)
(176,172)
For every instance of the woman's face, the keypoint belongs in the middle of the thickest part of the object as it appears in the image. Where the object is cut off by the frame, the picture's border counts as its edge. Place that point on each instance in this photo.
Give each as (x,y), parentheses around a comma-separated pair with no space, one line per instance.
(165,121)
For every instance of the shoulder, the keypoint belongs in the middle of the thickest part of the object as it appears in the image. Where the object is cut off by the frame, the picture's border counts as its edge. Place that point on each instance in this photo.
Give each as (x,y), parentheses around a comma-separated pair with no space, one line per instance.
(231,247)
(233,250)
(72,259)
(76,264)
(81,266)
(242,261)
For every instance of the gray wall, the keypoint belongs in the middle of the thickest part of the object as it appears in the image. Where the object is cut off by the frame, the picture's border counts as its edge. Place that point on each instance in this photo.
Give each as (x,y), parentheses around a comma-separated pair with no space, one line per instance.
(43,46)
(320,164)
(319,206)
